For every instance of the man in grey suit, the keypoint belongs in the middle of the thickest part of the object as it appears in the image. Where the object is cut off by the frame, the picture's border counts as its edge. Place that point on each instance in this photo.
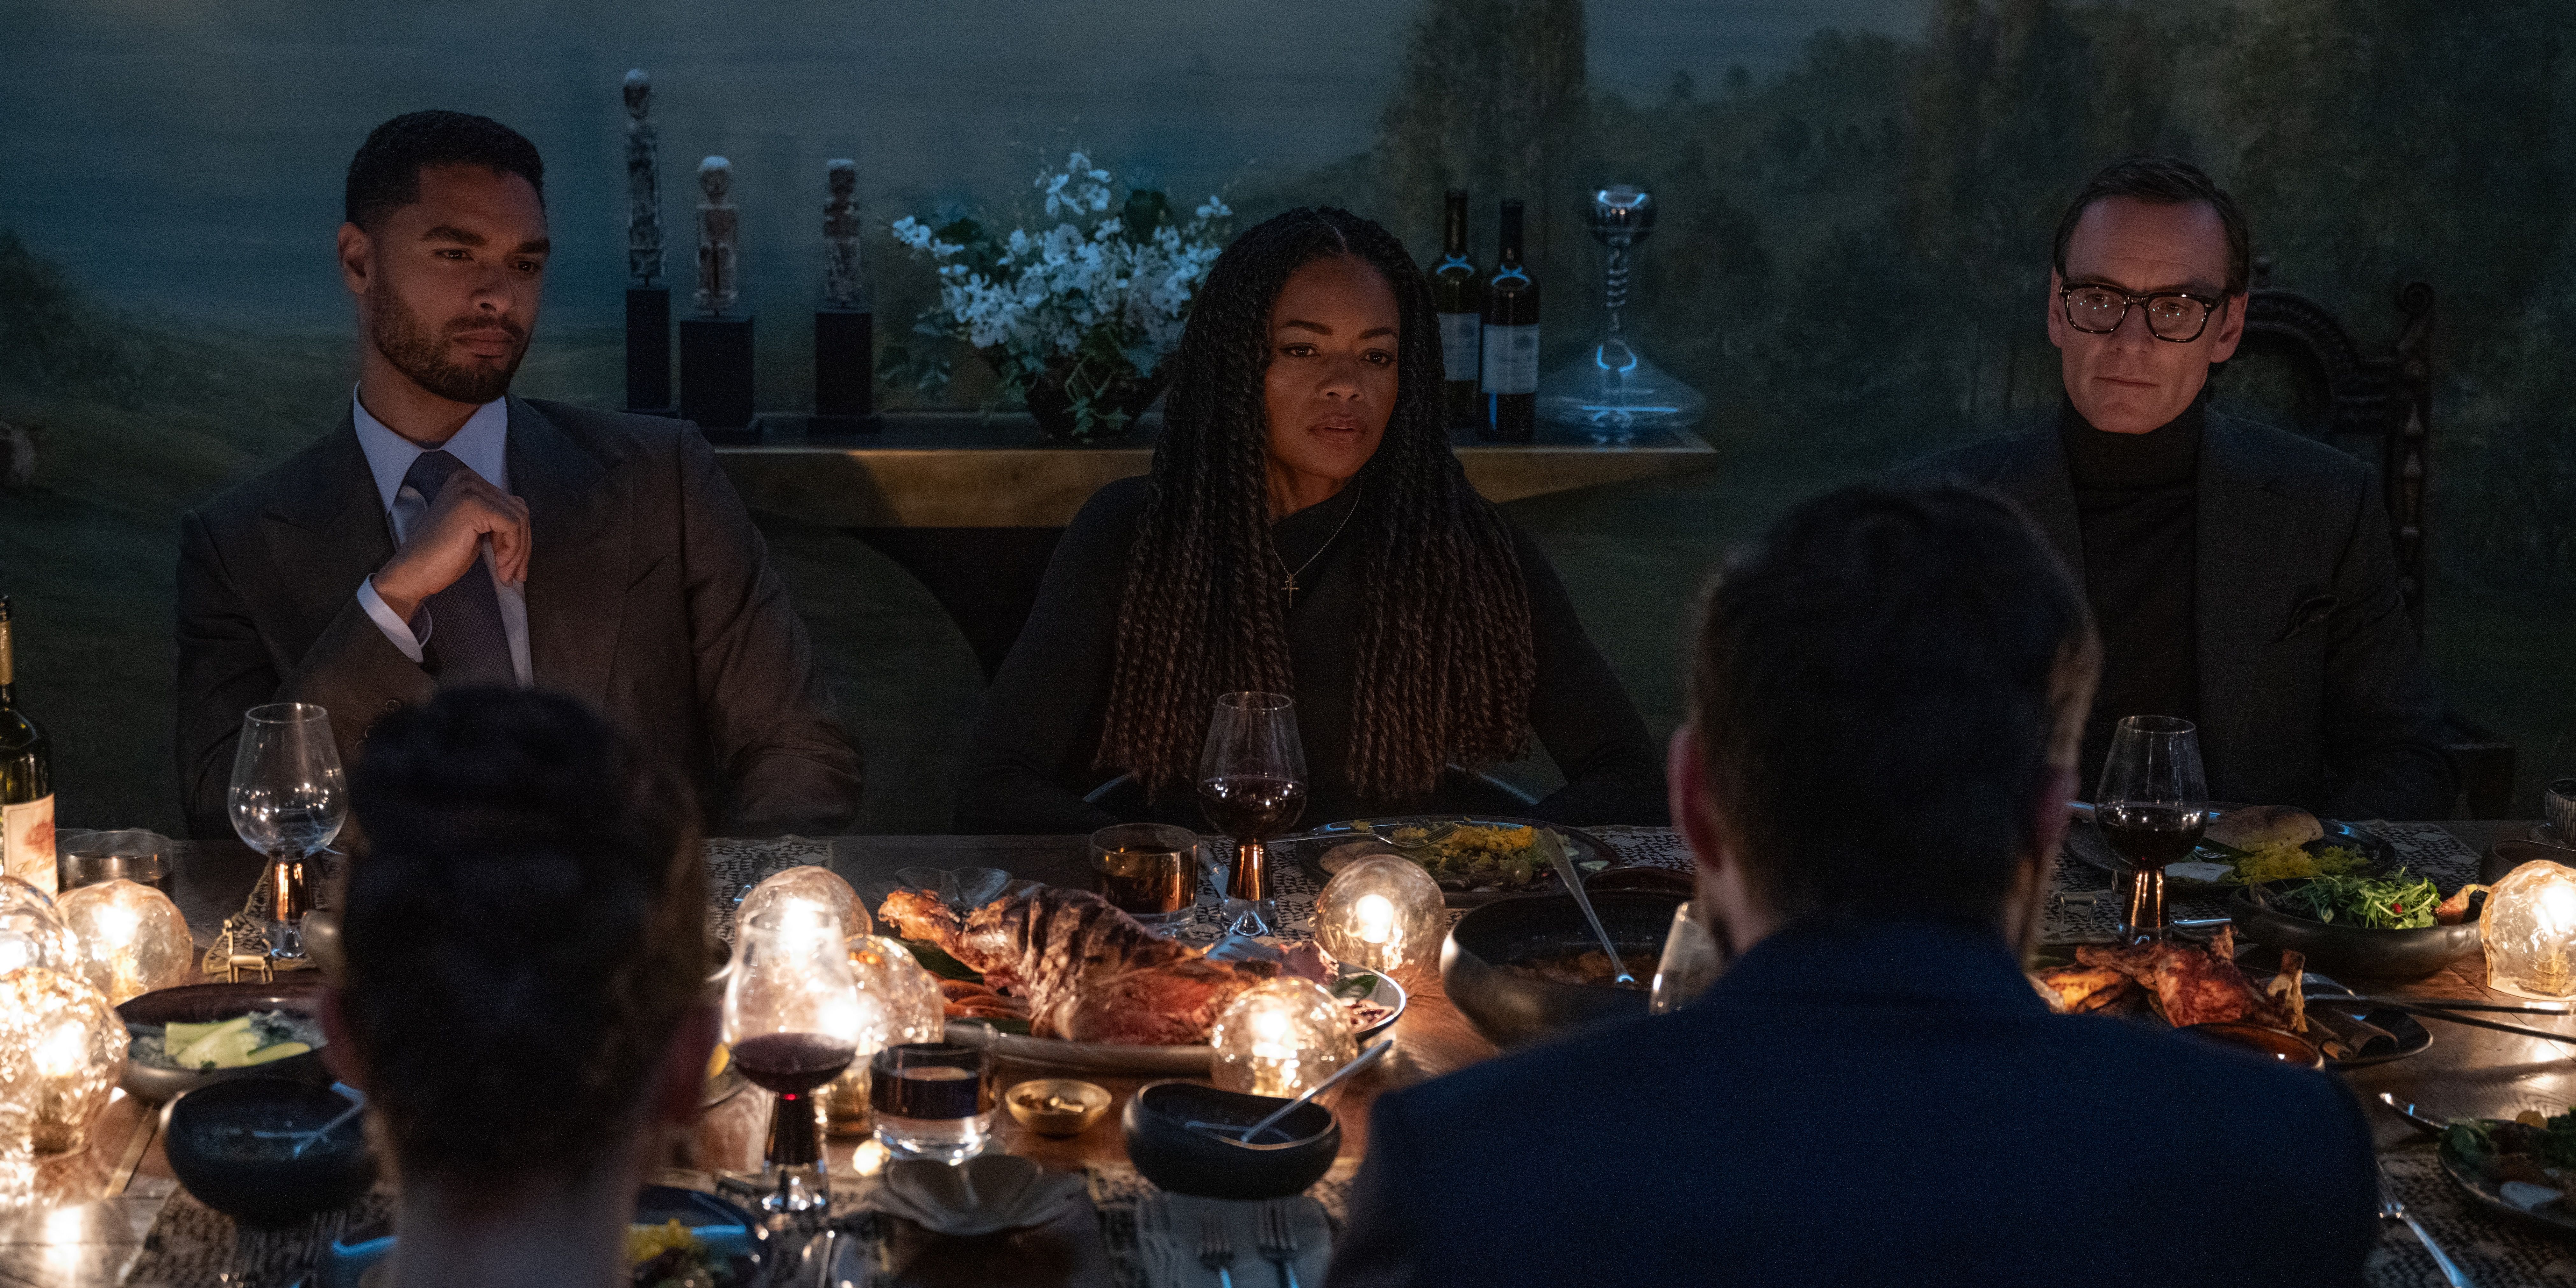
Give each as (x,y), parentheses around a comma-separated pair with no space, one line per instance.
(445,533)
(2242,577)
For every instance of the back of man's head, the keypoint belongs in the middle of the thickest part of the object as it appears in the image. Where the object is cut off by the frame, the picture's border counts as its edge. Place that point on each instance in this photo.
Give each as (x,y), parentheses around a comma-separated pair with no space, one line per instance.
(1882,691)
(524,935)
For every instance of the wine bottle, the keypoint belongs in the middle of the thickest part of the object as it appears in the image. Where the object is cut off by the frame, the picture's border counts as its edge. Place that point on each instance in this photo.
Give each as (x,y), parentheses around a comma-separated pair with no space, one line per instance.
(26,780)
(1509,363)
(1458,295)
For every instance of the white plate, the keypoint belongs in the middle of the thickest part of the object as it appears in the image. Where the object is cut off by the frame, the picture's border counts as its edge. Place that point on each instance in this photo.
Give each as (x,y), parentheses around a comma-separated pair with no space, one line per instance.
(1119,1057)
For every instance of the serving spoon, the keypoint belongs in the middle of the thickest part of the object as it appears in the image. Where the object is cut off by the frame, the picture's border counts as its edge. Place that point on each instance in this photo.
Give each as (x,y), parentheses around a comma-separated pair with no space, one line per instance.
(1573,882)
(305,1137)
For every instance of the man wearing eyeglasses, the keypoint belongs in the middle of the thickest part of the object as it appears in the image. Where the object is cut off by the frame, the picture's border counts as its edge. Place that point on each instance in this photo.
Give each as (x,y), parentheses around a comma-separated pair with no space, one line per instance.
(2242,576)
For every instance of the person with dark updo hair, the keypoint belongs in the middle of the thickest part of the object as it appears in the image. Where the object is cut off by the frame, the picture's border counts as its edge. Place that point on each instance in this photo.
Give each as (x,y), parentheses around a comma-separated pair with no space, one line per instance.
(522,998)
(1305,530)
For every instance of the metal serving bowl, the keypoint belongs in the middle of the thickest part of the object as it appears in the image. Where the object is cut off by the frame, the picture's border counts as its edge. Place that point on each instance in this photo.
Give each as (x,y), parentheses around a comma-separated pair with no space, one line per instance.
(2341,950)
(1512,1009)
(201,1003)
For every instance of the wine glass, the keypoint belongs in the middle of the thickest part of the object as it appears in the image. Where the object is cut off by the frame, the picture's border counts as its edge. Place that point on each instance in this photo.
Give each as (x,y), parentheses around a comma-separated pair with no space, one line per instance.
(2152,805)
(1691,962)
(794,1016)
(1252,783)
(288,800)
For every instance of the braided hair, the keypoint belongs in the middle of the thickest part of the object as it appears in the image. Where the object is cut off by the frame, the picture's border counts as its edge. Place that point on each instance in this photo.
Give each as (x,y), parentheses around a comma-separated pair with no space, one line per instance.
(1444,667)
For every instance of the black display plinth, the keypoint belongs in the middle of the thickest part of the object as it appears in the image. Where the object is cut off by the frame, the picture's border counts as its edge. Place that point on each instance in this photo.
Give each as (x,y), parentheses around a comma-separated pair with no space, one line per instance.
(715,373)
(844,375)
(648,350)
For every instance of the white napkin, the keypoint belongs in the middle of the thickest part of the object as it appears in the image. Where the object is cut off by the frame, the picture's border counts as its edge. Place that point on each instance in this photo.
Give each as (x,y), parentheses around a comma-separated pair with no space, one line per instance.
(1168,1236)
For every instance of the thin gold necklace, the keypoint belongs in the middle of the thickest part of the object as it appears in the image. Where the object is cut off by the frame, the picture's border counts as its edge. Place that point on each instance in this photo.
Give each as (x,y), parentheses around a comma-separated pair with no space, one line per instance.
(1291,584)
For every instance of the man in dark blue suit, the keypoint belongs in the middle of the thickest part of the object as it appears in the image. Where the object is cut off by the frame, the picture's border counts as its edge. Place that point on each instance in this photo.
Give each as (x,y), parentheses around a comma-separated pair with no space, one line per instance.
(1885,712)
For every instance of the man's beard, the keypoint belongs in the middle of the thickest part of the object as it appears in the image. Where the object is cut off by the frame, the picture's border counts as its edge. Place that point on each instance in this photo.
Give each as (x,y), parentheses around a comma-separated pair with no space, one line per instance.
(417,352)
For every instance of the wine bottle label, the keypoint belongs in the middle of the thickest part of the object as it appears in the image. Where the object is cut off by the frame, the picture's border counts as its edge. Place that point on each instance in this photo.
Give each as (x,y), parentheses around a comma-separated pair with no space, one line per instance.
(1511,359)
(1460,335)
(27,843)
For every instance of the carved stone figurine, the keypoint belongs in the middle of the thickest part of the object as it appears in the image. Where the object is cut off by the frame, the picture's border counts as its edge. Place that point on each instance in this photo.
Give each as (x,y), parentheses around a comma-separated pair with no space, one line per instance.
(643,183)
(718,277)
(842,288)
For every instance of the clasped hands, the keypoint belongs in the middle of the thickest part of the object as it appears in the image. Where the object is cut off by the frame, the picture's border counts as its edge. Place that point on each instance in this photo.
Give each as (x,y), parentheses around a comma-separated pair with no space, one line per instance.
(449,538)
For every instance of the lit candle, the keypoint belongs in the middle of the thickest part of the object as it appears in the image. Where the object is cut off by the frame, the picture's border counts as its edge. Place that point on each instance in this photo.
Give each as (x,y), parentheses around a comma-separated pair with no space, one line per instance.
(1375,914)
(1279,1038)
(132,939)
(2528,928)
(1382,912)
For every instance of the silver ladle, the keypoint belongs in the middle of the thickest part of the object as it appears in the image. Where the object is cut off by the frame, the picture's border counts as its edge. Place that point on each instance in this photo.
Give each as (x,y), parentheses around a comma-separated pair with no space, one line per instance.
(1574,886)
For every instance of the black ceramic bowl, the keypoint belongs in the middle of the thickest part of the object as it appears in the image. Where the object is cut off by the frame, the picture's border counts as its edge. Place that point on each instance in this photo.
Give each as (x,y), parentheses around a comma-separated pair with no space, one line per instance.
(1287,1159)
(205,1134)
(202,1003)
(2341,950)
(1512,1009)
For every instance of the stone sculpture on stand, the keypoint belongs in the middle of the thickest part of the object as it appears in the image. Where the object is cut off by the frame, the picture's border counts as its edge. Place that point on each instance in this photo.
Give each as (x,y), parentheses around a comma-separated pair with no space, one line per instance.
(845,326)
(715,347)
(648,301)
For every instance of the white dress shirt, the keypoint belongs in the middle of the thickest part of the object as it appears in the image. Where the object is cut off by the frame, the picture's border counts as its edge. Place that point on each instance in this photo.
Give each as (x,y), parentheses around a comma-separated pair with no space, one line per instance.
(483,445)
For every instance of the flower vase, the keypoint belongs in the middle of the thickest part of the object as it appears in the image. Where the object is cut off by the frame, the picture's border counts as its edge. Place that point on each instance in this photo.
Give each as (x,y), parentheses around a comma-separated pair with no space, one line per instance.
(1072,406)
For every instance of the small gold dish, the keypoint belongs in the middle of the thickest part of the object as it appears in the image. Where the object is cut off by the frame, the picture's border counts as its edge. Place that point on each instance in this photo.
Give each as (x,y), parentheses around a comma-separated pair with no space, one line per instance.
(1057,1106)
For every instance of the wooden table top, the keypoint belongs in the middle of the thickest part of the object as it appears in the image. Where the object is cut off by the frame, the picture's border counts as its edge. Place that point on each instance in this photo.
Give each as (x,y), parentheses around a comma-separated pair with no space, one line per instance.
(2466,1072)
(959,470)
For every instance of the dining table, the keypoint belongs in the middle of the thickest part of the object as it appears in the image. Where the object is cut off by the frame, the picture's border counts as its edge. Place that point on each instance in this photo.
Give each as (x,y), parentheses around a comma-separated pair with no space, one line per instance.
(111,1195)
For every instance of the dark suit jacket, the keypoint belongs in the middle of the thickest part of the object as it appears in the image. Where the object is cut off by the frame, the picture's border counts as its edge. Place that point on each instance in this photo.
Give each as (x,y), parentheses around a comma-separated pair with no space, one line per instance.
(649,595)
(1866,1104)
(2313,691)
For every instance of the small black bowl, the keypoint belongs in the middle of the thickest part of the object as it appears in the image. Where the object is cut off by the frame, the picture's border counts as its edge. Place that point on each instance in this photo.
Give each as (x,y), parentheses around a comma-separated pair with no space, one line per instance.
(202,1003)
(1291,1156)
(1512,1009)
(2341,950)
(255,1183)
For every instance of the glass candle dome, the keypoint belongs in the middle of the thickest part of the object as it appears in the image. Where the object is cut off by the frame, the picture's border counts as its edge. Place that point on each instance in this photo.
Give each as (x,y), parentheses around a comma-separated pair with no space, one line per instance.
(32,931)
(810,883)
(132,938)
(2529,928)
(915,1011)
(1382,912)
(1280,1038)
(61,1045)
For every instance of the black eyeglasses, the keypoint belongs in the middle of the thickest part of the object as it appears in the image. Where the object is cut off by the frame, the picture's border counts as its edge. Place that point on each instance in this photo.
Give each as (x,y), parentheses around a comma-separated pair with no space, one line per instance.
(2175,316)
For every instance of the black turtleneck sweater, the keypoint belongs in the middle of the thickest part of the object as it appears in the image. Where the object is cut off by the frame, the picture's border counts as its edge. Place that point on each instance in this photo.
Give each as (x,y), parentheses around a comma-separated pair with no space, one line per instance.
(2135,501)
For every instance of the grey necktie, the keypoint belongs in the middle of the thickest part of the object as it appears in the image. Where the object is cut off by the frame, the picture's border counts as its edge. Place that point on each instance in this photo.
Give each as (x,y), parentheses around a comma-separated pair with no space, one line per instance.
(467,643)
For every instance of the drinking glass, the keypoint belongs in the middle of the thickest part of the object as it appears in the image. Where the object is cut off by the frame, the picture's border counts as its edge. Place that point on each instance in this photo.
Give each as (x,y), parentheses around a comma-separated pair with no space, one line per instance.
(794,1017)
(932,1100)
(288,800)
(1252,784)
(1691,962)
(1150,871)
(2152,805)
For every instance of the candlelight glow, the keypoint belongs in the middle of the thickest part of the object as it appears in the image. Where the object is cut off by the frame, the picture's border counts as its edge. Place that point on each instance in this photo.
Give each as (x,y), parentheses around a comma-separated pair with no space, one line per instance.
(1383,912)
(61,1046)
(811,886)
(32,931)
(2529,930)
(132,939)
(1280,1038)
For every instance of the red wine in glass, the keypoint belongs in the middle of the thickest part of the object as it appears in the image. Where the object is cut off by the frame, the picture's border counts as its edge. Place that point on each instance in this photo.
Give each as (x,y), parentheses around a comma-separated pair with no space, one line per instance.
(2151,836)
(1250,807)
(790,1063)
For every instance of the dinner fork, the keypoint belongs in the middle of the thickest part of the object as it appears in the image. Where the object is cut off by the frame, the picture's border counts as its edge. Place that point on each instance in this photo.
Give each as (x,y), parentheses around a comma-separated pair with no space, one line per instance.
(1279,1242)
(2391,1208)
(1214,1252)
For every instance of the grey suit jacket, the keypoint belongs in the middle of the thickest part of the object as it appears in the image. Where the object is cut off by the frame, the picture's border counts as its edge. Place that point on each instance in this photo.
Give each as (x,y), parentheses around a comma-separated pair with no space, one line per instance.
(649,595)
(2312,689)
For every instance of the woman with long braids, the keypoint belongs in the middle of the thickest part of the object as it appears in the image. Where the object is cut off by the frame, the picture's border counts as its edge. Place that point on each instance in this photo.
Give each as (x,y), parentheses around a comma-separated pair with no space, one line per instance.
(1306,530)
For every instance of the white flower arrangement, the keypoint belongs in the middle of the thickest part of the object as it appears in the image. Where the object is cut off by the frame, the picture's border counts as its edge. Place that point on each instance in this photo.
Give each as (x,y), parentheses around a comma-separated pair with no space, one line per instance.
(1091,310)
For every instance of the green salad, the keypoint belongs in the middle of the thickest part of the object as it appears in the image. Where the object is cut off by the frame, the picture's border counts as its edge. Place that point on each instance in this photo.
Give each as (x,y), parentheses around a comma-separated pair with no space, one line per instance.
(2395,901)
